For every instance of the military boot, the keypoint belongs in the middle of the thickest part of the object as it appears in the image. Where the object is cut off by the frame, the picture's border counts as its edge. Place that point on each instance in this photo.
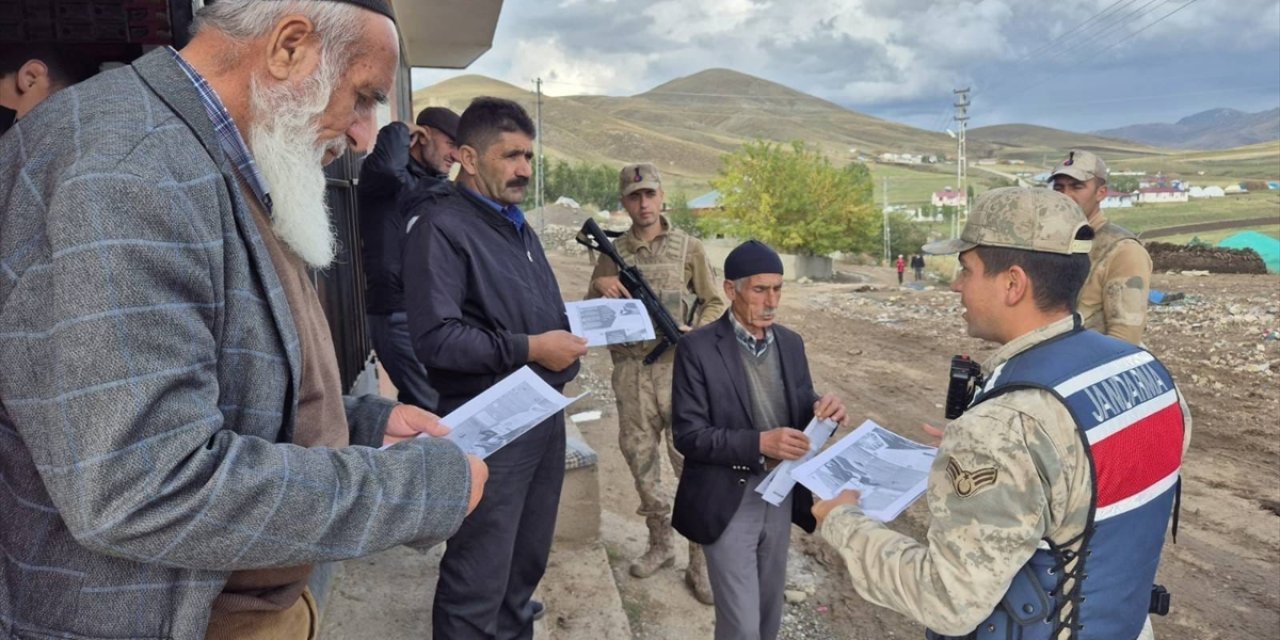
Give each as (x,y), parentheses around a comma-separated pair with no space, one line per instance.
(696,575)
(661,552)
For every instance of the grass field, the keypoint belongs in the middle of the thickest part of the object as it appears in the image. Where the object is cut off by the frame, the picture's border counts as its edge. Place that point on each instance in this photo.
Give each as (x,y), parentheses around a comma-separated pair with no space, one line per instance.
(914,185)
(1158,216)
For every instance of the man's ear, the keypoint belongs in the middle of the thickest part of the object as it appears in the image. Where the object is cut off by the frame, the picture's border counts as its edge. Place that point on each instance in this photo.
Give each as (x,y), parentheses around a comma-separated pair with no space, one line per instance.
(1017,286)
(729,291)
(293,48)
(468,157)
(32,75)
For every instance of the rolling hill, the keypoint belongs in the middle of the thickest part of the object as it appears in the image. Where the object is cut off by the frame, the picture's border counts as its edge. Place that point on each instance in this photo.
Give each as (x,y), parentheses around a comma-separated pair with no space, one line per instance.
(1212,129)
(1044,145)
(686,125)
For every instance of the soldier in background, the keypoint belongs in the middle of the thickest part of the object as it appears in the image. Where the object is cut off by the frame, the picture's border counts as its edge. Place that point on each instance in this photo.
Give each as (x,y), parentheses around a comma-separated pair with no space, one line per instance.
(1023,542)
(676,267)
(1114,298)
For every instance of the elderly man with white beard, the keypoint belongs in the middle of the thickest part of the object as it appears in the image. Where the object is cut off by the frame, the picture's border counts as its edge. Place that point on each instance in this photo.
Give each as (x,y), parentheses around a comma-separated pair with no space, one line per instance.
(175,448)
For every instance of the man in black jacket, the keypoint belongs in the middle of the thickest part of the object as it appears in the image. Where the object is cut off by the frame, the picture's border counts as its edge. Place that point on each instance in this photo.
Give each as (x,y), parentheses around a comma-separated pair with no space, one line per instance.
(403,156)
(740,397)
(483,302)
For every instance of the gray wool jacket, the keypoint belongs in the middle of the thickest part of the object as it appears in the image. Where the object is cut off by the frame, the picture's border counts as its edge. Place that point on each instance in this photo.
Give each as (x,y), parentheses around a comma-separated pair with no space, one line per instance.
(149,373)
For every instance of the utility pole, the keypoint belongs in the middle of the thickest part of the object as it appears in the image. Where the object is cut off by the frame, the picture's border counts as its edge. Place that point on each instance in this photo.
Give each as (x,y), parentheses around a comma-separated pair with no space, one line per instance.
(887,250)
(961,117)
(538,182)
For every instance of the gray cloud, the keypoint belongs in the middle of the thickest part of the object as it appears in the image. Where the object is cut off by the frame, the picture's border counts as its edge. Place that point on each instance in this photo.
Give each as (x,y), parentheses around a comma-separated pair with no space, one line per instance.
(900,59)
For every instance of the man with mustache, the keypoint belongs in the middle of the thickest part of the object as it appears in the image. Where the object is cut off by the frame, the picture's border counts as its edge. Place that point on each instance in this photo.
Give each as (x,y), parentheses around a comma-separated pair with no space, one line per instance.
(483,302)
(403,156)
(740,397)
(175,439)
(676,267)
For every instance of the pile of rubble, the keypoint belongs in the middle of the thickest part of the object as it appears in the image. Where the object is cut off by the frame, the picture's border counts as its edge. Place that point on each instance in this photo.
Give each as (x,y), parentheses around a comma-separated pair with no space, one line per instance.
(561,238)
(1208,335)
(1179,257)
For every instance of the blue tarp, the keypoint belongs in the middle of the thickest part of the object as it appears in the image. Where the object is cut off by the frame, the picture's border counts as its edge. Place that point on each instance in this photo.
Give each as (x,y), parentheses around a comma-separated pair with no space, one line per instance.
(1266,246)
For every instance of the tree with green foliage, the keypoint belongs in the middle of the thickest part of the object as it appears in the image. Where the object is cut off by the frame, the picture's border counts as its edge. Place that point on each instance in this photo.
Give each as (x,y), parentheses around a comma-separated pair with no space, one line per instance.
(680,215)
(1122,184)
(906,236)
(589,184)
(794,199)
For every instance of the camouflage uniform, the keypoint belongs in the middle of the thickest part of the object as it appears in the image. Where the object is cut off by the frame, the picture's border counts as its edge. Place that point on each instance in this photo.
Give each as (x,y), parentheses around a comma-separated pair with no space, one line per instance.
(1114,298)
(1009,473)
(676,267)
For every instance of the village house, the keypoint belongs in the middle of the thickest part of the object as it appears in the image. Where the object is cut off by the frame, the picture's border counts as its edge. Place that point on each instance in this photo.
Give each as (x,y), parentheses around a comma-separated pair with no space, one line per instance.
(947,198)
(1161,195)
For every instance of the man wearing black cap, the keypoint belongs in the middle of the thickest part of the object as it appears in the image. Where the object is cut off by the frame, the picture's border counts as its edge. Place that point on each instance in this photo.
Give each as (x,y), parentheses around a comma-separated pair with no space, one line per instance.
(405,157)
(740,397)
(175,434)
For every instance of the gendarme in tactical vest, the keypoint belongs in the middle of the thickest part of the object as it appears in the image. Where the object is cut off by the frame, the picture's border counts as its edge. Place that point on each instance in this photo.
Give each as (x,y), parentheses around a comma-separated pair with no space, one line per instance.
(662,263)
(1097,586)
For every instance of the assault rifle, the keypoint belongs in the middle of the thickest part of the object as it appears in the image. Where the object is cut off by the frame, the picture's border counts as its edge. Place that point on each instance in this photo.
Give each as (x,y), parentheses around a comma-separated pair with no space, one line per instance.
(593,237)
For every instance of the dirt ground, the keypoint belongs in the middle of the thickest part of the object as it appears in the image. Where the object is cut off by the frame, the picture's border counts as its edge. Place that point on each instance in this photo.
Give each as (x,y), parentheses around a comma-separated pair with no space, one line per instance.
(885,351)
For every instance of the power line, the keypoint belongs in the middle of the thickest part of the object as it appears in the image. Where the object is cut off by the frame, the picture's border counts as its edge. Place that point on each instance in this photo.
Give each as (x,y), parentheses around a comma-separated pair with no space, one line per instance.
(1090,39)
(1158,21)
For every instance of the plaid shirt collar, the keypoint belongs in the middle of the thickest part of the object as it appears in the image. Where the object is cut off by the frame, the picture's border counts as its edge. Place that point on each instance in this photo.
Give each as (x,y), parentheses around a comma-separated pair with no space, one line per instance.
(229,137)
(754,347)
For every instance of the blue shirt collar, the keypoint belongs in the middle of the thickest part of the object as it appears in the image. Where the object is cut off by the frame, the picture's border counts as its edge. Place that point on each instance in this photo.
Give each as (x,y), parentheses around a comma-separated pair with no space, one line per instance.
(228,134)
(509,211)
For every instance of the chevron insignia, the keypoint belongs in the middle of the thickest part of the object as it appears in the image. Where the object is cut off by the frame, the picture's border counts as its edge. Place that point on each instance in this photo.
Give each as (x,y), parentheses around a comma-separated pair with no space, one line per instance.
(966,482)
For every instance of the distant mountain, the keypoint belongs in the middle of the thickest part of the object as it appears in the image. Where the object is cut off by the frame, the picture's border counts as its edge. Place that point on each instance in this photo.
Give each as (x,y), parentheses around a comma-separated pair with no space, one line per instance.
(1212,129)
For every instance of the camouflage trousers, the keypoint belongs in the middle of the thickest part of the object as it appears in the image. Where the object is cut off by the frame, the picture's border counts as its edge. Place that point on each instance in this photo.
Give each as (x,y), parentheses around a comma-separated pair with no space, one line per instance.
(644,416)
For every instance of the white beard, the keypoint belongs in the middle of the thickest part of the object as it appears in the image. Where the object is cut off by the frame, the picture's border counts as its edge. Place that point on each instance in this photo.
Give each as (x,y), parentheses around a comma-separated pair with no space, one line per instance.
(283,140)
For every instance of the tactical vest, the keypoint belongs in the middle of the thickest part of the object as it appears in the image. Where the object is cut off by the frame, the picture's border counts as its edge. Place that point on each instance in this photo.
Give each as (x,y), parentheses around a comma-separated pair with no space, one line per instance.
(664,270)
(1106,240)
(1126,410)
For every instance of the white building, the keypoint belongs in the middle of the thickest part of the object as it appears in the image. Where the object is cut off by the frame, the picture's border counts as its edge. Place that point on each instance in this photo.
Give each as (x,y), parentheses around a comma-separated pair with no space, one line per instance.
(1117,200)
(1161,195)
(1206,192)
(947,198)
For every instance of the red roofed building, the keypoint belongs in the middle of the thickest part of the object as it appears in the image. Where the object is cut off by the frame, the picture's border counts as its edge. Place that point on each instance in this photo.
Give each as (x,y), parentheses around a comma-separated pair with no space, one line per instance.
(948,198)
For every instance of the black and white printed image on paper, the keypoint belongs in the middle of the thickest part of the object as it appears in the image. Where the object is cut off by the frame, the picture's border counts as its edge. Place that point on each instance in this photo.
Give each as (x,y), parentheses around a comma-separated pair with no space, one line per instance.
(605,321)
(889,471)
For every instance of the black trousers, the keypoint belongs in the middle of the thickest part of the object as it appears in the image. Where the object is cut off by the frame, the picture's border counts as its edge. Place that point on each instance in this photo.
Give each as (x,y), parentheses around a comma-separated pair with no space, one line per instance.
(492,565)
(390,337)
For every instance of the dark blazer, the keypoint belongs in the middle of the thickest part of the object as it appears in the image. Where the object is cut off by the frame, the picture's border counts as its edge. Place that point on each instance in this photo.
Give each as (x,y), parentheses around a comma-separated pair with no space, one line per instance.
(711,420)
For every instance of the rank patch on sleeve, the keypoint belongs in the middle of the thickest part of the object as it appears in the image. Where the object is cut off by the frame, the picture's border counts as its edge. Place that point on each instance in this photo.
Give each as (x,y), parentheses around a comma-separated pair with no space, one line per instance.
(967,483)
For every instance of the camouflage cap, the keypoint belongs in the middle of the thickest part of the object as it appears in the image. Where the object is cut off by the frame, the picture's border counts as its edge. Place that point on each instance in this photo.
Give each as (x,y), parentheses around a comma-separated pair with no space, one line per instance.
(1035,219)
(1082,166)
(635,177)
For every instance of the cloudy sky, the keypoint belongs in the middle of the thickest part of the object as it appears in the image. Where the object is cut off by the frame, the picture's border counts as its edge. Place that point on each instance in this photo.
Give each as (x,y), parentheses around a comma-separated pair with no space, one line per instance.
(1080,66)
